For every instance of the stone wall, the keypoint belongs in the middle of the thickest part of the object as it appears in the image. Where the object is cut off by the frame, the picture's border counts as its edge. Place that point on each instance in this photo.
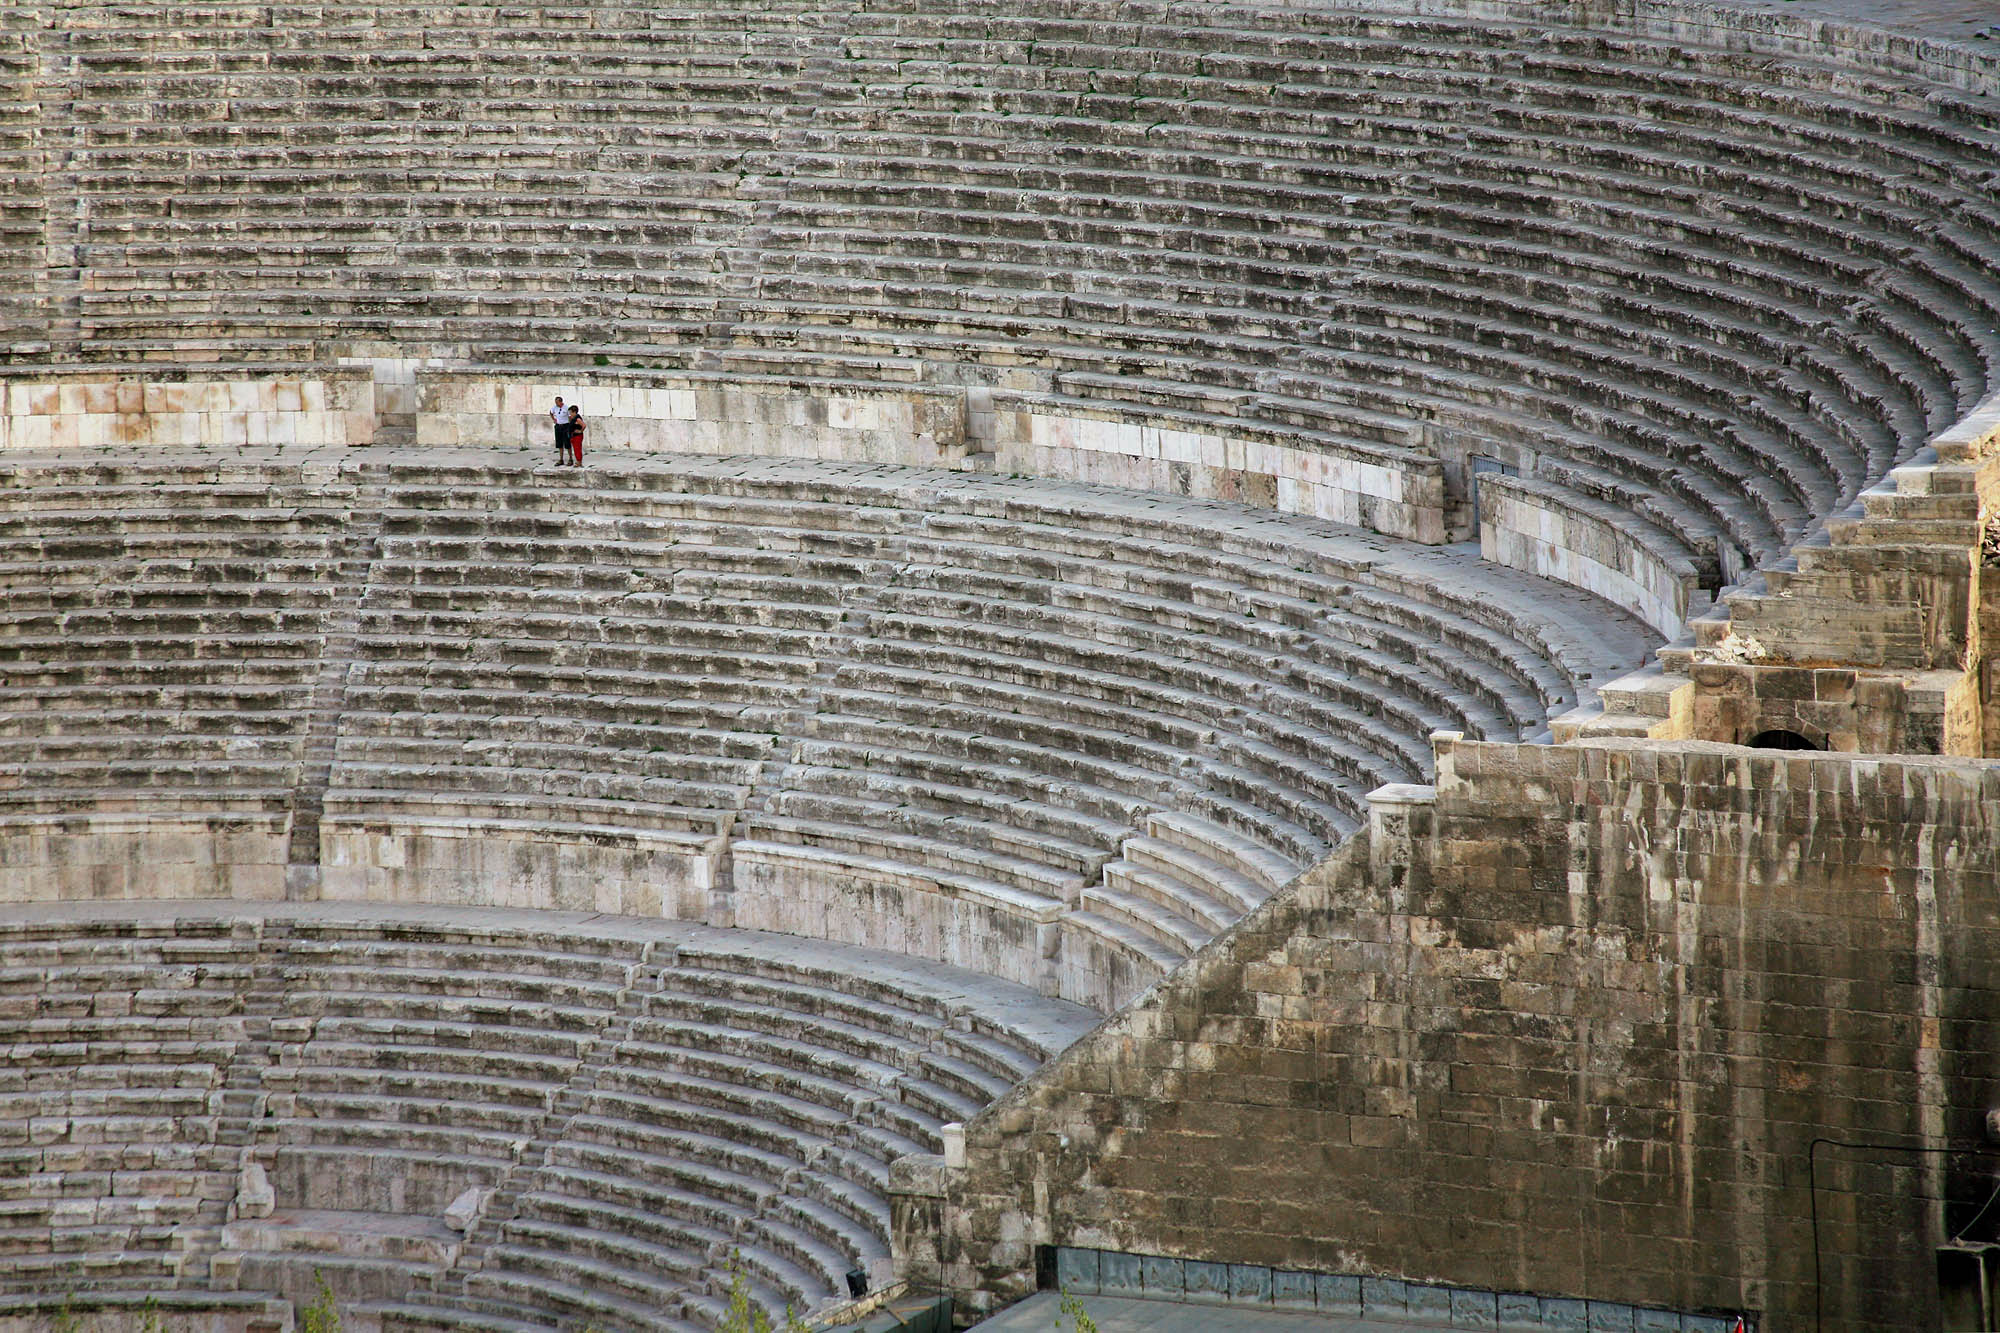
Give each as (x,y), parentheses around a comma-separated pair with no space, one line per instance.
(1401,494)
(1567,1023)
(379,856)
(1394,492)
(114,855)
(178,409)
(1554,532)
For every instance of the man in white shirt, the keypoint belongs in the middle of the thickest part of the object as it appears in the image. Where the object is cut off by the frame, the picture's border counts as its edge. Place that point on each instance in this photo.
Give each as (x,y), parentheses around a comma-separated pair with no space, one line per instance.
(561,416)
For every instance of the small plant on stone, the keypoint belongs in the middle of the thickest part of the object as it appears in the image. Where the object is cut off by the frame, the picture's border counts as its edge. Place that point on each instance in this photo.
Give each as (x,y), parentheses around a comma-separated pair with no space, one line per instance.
(150,1318)
(744,1315)
(323,1314)
(1072,1309)
(67,1320)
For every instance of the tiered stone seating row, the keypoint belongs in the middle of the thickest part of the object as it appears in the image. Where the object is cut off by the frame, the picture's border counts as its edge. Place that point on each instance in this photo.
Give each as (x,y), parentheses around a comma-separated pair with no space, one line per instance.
(641,1102)
(117,1043)
(1000,702)
(23,213)
(161,633)
(1717,292)
(1573,155)
(1068,735)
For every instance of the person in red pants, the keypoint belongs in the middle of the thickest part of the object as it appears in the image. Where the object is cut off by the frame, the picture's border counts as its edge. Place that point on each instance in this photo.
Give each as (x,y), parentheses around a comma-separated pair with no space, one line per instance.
(576,436)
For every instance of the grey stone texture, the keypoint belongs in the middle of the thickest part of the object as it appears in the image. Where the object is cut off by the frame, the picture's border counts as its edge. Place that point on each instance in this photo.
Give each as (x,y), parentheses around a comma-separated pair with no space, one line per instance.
(1058,734)
(1567,1026)
(1872,637)
(1347,1297)
(455,1115)
(1587,246)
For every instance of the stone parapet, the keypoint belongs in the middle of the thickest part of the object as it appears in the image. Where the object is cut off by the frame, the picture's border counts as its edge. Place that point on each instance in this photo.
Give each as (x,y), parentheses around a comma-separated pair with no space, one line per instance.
(82,408)
(1528,524)
(1400,493)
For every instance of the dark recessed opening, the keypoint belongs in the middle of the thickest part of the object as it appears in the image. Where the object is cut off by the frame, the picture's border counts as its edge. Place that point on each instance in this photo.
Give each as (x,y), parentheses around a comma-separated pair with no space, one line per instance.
(1779,739)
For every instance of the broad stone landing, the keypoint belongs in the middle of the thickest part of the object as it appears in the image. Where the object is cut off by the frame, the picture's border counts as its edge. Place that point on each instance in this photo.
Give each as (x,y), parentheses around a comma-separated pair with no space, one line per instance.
(1115,1314)
(1124,1314)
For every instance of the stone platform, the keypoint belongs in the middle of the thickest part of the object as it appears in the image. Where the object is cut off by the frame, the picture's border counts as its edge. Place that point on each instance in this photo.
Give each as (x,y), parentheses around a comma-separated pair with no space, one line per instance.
(1116,1314)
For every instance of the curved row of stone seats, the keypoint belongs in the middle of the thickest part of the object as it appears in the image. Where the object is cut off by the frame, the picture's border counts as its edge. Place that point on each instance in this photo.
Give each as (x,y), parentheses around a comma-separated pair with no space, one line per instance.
(816,1083)
(640,1100)
(417,1063)
(162,631)
(23,213)
(971,711)
(117,1044)
(906,187)
(977,698)
(651,667)
(1525,140)
(668,1096)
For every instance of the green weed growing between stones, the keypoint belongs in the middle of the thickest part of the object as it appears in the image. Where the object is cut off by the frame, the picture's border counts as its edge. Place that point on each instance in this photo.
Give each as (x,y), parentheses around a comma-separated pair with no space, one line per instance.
(323,1314)
(67,1320)
(744,1316)
(1072,1309)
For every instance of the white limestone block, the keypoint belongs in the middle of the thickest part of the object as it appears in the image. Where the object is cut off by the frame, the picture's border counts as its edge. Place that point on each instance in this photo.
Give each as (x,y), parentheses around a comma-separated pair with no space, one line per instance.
(460,1213)
(254,1196)
(32,400)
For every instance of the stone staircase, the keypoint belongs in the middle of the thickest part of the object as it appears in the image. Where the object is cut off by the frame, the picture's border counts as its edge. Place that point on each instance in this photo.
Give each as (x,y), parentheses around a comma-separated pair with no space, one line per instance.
(1889,586)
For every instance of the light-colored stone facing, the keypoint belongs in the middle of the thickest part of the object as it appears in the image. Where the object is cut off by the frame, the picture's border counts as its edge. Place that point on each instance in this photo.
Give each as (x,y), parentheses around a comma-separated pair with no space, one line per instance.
(97,409)
(1154,456)
(472,863)
(807,891)
(854,423)
(120,856)
(928,427)
(1557,534)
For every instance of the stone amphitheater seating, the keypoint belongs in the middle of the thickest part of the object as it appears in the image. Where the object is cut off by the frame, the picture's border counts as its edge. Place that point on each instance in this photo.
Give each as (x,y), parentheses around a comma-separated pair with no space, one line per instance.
(1062,737)
(1717,292)
(641,1100)
(1633,313)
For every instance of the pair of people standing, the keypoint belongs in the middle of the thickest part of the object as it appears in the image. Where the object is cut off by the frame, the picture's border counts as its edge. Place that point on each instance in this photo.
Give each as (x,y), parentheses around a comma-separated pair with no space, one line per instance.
(569,434)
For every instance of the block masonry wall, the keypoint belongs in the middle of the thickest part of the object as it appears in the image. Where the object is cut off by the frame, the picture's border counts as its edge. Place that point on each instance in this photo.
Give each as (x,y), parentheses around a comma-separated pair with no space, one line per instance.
(1569,1022)
(221,409)
(1546,530)
(1398,493)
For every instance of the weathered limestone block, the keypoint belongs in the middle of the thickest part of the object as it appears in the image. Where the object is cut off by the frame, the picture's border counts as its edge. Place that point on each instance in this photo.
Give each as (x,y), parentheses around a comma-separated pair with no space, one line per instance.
(253,1193)
(461,1212)
(379,857)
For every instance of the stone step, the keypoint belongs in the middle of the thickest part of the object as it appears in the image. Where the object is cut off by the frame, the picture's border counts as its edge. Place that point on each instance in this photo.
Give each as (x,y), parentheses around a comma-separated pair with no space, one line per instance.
(1223,847)
(1204,877)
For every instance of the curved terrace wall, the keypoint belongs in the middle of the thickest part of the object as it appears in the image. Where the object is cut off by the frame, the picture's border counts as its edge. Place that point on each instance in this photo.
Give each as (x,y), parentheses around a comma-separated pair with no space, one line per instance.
(1056,734)
(1715,269)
